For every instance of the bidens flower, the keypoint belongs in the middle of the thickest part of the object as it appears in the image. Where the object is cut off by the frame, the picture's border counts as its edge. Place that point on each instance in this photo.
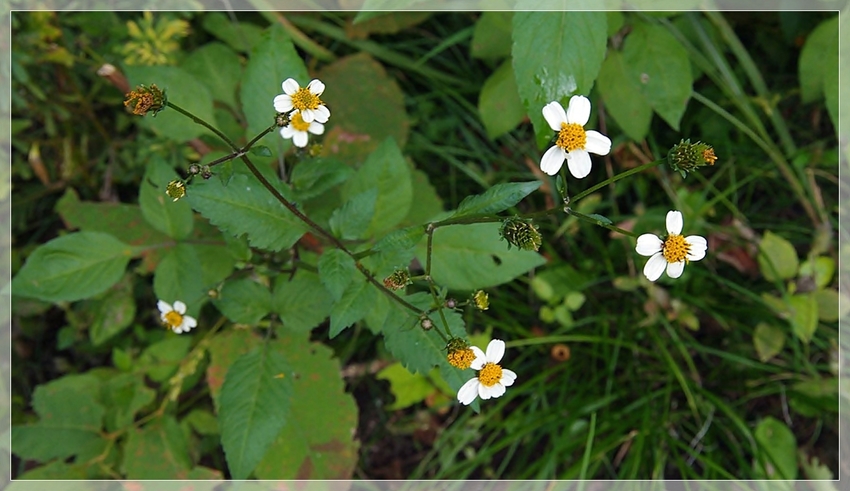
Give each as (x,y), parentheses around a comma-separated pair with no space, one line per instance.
(673,251)
(303,99)
(573,141)
(176,317)
(297,129)
(492,378)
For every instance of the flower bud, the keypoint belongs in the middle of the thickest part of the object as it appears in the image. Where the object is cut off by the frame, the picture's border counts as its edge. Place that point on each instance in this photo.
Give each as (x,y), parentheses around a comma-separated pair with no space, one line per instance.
(194,169)
(206,173)
(146,99)
(460,355)
(481,300)
(281,119)
(426,324)
(175,189)
(685,156)
(521,233)
(398,280)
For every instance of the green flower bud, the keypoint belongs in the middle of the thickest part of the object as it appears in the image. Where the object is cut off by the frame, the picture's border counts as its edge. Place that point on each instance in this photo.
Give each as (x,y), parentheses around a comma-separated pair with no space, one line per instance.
(685,156)
(146,99)
(521,233)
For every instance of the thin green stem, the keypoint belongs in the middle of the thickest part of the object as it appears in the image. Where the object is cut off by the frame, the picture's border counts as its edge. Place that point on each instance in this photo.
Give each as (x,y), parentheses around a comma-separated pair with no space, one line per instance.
(616,178)
(595,221)
(439,310)
(204,124)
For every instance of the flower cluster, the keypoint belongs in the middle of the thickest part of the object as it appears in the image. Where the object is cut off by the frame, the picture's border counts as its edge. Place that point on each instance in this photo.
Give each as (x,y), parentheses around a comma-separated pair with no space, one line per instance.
(304,110)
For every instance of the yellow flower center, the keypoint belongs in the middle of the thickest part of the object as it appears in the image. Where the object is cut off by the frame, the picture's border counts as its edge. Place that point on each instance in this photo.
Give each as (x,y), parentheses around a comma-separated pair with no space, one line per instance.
(675,248)
(173,319)
(298,123)
(461,358)
(304,99)
(490,374)
(709,156)
(571,137)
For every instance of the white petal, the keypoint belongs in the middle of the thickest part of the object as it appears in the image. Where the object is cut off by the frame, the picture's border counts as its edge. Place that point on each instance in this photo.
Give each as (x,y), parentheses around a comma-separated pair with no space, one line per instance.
(485,392)
(497,390)
(648,244)
(163,307)
(480,358)
(674,270)
(552,160)
(321,114)
(290,86)
(316,128)
(180,307)
(287,132)
(697,241)
(554,114)
(578,162)
(282,103)
(508,377)
(654,267)
(177,329)
(316,86)
(300,139)
(163,318)
(189,322)
(579,110)
(597,143)
(674,222)
(308,115)
(468,391)
(495,350)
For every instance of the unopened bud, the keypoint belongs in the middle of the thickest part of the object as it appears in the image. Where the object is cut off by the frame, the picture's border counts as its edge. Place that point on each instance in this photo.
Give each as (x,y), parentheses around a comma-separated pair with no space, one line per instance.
(481,300)
(521,233)
(281,119)
(451,303)
(426,324)
(146,99)
(398,280)
(685,156)
(194,169)
(206,173)
(175,189)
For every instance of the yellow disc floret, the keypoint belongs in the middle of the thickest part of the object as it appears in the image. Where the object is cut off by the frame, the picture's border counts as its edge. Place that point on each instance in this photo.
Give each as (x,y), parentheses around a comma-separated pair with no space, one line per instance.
(675,248)
(304,99)
(298,123)
(490,374)
(173,319)
(571,137)
(461,358)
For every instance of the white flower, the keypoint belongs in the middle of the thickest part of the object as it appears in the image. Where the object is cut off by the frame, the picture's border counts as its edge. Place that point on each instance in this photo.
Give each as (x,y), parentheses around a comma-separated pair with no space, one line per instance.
(176,317)
(306,100)
(573,141)
(297,129)
(674,251)
(492,378)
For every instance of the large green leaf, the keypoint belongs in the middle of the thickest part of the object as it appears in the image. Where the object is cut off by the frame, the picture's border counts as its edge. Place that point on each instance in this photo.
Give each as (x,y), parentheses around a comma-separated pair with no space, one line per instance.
(178,277)
(492,35)
(161,359)
(182,89)
(173,218)
(244,206)
(254,405)
(556,55)
(819,60)
(224,349)
(355,303)
(73,267)
(499,104)
(244,301)
(469,257)
(272,61)
(70,417)
(241,36)
(123,395)
(350,221)
(336,270)
(114,312)
(317,440)
(302,302)
(157,451)
(660,65)
(623,97)
(498,198)
(387,171)
(314,177)
(218,67)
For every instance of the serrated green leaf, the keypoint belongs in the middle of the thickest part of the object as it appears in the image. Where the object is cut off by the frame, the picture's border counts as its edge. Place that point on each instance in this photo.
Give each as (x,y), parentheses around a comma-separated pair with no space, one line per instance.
(316,442)
(113,313)
(385,170)
(217,262)
(472,256)
(564,62)
(427,203)
(224,349)
(351,220)
(246,207)
(659,64)
(314,177)
(819,60)
(161,359)
(408,388)
(400,239)
(178,85)
(123,396)
(73,267)
(624,100)
(498,198)
(253,407)
(777,258)
(778,450)
(173,218)
(241,36)
(804,315)
(273,59)
(157,451)
(499,104)
(302,302)
(244,301)
(336,270)
(218,67)
(353,306)
(178,277)
(768,340)
(492,35)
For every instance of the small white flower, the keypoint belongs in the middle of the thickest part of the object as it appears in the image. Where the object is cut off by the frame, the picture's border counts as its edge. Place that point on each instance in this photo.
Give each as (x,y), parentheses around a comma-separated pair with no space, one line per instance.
(492,378)
(297,129)
(573,141)
(673,251)
(176,317)
(303,99)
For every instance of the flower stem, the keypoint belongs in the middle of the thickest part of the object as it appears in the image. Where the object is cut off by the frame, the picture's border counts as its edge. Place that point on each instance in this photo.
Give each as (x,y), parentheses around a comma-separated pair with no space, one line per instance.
(616,178)
(595,221)
(204,124)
